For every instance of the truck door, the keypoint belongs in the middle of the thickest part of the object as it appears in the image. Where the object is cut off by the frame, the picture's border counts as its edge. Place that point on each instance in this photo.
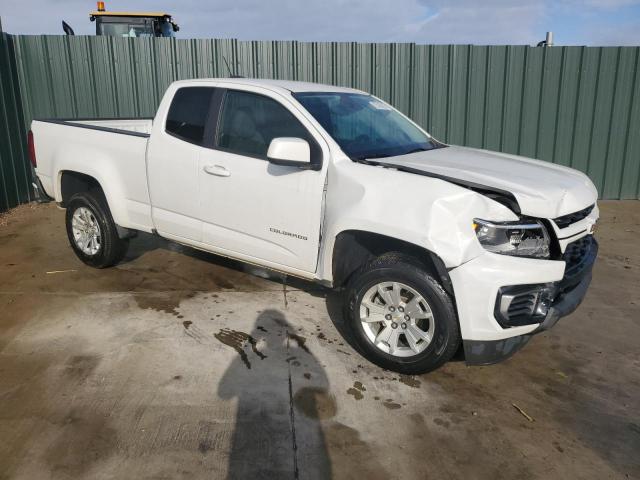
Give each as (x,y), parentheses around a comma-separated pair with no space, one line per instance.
(173,164)
(250,207)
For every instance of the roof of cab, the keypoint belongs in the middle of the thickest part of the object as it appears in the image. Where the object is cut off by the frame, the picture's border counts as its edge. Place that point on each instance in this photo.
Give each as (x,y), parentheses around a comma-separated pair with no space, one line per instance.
(290,85)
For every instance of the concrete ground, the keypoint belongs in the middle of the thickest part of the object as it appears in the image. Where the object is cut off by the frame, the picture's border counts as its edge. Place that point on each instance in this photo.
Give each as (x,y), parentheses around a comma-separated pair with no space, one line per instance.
(179,364)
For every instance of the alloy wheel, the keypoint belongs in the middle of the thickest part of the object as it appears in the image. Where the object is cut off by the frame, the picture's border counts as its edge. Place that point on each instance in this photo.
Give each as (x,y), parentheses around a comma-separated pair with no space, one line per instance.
(397,319)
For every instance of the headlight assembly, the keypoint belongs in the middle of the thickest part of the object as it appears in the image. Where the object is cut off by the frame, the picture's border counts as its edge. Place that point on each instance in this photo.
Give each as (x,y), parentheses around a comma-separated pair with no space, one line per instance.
(522,239)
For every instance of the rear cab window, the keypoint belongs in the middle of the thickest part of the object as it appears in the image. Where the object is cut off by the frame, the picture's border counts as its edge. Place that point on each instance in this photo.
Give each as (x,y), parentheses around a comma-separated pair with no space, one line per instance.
(189,114)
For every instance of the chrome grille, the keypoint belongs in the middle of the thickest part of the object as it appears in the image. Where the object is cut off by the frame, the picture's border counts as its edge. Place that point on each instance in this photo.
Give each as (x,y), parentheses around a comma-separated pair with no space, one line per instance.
(576,252)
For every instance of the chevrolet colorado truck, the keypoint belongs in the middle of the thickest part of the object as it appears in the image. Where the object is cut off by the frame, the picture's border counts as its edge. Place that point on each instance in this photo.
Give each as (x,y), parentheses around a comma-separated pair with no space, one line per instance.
(433,247)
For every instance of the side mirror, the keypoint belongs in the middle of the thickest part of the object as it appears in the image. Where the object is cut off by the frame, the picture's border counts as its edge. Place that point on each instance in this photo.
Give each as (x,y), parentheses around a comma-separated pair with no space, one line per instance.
(290,152)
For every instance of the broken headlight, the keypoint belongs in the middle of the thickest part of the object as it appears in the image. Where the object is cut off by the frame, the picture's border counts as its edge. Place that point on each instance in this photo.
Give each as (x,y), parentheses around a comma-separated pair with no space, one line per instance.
(521,239)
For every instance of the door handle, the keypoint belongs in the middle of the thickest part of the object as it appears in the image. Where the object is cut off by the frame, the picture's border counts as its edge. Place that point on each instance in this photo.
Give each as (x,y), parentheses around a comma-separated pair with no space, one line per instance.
(217,170)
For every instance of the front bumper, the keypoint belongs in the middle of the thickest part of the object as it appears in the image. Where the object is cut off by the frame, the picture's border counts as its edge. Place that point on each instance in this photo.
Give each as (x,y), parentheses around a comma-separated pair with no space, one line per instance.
(565,304)
(487,352)
(477,285)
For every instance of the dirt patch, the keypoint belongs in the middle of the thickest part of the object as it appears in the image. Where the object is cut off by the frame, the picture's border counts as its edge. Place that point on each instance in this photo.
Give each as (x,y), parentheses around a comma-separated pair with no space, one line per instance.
(300,341)
(4,239)
(18,213)
(441,422)
(80,367)
(38,418)
(487,455)
(85,439)
(237,341)
(352,457)
(355,393)
(165,303)
(391,405)
(410,381)
(315,402)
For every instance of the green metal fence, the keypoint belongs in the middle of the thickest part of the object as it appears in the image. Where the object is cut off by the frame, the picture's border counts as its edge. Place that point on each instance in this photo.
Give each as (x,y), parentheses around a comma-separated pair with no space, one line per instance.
(15,172)
(576,106)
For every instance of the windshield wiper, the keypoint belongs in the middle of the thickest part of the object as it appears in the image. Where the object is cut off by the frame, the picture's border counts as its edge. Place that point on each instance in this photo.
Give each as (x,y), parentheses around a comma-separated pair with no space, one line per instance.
(419,149)
(372,155)
(386,155)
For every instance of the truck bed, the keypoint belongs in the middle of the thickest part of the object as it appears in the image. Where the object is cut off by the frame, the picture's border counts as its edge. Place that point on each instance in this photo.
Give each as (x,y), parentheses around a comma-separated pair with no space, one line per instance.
(112,151)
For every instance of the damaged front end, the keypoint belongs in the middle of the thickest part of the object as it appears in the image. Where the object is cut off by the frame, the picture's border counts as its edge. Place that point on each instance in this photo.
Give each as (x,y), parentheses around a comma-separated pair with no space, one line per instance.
(538,304)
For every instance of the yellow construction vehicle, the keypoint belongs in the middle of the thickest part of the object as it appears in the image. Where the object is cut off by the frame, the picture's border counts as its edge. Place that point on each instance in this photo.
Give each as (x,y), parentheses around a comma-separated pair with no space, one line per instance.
(130,24)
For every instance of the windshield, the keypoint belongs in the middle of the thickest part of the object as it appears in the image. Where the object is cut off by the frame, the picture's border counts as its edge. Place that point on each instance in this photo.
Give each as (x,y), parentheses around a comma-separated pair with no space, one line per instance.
(364,126)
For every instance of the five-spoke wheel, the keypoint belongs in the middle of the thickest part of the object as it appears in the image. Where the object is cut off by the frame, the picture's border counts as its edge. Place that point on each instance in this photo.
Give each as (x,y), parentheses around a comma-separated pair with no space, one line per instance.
(91,230)
(86,231)
(397,319)
(399,315)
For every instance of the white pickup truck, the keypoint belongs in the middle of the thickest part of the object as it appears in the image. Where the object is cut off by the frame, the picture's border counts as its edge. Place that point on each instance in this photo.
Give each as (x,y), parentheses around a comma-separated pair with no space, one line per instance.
(432,246)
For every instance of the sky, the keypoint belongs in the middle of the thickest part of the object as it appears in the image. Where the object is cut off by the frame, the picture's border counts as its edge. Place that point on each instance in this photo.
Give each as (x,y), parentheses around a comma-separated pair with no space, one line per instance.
(488,22)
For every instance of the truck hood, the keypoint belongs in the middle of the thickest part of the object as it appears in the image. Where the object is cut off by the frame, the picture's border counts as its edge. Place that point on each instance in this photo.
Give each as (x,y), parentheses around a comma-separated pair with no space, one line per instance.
(542,189)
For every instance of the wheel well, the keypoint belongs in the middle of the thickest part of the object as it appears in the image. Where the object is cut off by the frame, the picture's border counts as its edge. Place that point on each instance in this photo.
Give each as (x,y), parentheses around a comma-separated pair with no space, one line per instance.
(354,248)
(74,182)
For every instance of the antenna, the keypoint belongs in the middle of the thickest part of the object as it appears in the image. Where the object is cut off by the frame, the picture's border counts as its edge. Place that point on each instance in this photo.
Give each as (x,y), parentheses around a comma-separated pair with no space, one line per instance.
(227,64)
(67,28)
(231,74)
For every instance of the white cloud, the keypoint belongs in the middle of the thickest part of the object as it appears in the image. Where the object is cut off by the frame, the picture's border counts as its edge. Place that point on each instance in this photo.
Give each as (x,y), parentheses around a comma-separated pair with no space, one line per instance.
(491,22)
(627,35)
(463,21)
(340,20)
(604,4)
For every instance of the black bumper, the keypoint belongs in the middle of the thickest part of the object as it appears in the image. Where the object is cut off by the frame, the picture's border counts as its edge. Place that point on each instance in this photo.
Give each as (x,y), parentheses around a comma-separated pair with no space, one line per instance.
(566,304)
(569,293)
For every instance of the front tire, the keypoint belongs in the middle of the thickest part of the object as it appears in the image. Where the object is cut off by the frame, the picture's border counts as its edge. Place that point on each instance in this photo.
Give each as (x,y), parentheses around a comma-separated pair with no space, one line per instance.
(400,317)
(92,232)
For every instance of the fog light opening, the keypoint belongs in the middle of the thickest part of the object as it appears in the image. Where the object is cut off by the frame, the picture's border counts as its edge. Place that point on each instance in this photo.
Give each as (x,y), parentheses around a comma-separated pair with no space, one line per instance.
(520,305)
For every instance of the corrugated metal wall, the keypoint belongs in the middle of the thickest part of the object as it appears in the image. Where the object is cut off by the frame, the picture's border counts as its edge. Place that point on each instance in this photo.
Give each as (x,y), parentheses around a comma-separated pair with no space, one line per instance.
(576,106)
(15,172)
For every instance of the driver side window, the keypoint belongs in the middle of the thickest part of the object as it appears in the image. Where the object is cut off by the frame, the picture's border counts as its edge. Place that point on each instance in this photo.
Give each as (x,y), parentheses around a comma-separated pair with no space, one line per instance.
(249,122)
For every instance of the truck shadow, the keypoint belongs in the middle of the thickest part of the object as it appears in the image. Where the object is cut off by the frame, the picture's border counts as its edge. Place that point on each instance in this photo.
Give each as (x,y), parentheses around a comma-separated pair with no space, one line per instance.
(145,244)
(236,275)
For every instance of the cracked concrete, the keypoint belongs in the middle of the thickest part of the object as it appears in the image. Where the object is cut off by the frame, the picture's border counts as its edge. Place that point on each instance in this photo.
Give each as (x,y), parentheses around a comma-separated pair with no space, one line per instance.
(180,364)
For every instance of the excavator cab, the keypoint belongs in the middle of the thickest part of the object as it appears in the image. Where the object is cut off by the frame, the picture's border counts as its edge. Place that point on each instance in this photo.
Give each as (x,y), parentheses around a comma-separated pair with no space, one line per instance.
(133,24)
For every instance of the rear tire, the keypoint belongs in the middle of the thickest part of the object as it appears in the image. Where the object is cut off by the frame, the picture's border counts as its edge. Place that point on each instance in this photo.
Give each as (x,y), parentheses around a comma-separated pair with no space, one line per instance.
(92,232)
(400,317)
